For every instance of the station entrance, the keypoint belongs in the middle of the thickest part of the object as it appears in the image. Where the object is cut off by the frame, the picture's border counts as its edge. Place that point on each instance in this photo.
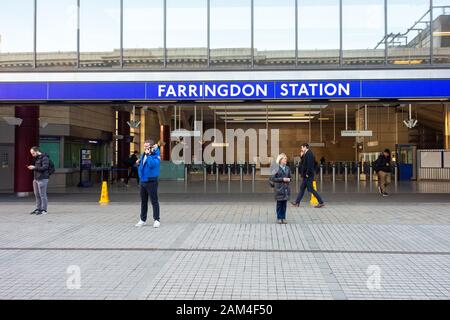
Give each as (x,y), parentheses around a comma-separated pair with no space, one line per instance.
(230,146)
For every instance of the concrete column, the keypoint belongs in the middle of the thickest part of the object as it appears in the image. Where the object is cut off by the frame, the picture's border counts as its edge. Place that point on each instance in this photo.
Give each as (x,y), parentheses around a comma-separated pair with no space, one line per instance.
(26,136)
(165,140)
(123,149)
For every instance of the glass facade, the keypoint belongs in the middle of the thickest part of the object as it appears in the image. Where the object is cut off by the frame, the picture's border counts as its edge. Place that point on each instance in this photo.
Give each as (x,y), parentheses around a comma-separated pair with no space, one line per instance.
(187,33)
(363,28)
(218,34)
(63,46)
(99,33)
(408,24)
(274,32)
(230,33)
(143,34)
(441,31)
(17,34)
(318,32)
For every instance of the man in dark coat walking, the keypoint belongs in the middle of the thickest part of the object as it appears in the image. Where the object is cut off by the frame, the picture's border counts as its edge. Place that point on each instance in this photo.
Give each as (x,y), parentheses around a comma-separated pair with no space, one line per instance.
(307,173)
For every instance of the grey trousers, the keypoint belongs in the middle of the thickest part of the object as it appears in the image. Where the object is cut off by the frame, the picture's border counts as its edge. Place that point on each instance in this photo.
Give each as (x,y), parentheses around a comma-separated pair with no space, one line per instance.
(40,192)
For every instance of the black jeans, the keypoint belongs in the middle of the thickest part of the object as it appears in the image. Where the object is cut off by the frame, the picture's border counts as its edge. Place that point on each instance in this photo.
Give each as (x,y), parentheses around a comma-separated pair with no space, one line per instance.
(147,189)
(307,183)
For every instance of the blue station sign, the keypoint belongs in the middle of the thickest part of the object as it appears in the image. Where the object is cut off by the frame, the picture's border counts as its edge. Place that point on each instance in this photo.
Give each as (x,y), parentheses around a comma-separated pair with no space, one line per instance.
(225,90)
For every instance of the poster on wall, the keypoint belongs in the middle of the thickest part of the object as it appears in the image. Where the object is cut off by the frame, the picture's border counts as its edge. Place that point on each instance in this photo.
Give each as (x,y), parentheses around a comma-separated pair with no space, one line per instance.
(431,159)
(446,159)
(85,168)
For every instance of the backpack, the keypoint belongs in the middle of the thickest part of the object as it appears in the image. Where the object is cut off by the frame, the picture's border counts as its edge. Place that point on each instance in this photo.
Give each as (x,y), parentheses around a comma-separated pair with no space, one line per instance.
(51,167)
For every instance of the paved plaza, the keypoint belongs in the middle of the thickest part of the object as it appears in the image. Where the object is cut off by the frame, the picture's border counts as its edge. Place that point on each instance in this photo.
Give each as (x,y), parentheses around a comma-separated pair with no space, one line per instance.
(227,246)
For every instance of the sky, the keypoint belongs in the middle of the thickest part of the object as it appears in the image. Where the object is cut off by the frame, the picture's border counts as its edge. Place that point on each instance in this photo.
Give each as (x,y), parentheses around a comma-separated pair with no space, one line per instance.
(230,23)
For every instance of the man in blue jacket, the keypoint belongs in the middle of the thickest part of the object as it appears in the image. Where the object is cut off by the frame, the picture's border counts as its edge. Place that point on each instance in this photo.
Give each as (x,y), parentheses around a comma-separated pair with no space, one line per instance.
(307,172)
(148,171)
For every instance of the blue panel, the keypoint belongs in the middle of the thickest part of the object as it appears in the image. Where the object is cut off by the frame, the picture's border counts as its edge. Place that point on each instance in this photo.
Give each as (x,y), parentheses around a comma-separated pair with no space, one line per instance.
(433,88)
(223,90)
(97,91)
(405,171)
(23,91)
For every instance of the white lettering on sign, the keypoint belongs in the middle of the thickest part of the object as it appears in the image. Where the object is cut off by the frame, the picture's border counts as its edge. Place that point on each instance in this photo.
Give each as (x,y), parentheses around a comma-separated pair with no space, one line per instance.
(212,90)
(314,89)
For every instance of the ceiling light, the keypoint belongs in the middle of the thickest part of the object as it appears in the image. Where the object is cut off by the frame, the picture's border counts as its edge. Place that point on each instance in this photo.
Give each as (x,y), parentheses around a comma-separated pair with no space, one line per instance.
(217,101)
(220,145)
(422,99)
(269,117)
(441,33)
(287,100)
(353,100)
(408,61)
(292,112)
(303,108)
(264,121)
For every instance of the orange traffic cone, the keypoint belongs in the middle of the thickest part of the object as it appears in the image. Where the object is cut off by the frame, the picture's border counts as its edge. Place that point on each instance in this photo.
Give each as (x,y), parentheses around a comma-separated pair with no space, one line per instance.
(104,197)
(314,201)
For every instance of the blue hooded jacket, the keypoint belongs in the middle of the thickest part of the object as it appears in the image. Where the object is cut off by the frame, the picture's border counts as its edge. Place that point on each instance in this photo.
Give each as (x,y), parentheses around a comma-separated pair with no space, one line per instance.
(150,169)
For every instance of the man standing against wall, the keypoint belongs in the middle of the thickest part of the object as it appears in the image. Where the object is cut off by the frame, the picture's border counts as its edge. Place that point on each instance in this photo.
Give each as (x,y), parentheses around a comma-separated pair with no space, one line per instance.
(307,172)
(148,171)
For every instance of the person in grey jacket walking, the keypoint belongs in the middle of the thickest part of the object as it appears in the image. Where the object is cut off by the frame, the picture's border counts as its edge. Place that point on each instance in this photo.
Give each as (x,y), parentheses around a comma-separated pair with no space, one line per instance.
(41,172)
(280,180)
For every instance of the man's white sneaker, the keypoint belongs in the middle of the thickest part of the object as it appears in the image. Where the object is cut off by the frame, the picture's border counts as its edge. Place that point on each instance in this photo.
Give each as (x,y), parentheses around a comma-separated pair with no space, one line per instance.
(141,223)
(156,224)
(43,212)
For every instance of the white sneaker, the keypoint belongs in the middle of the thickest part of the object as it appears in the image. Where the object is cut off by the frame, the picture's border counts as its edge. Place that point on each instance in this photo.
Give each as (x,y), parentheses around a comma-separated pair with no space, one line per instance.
(156,224)
(43,212)
(141,223)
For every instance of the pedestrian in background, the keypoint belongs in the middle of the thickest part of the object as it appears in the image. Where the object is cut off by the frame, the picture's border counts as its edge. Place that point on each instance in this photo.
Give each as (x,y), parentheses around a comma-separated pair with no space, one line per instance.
(308,170)
(383,168)
(133,167)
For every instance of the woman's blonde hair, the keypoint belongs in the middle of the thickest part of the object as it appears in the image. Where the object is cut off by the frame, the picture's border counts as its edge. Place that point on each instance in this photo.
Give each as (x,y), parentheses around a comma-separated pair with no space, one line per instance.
(280,157)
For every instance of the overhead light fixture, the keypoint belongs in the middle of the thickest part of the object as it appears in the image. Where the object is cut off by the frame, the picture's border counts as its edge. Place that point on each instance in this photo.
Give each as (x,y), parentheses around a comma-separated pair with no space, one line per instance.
(218,101)
(287,100)
(441,33)
(408,61)
(303,108)
(13,121)
(42,123)
(292,112)
(317,144)
(270,117)
(153,101)
(421,99)
(220,144)
(86,101)
(270,121)
(353,100)
(185,133)
(323,119)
